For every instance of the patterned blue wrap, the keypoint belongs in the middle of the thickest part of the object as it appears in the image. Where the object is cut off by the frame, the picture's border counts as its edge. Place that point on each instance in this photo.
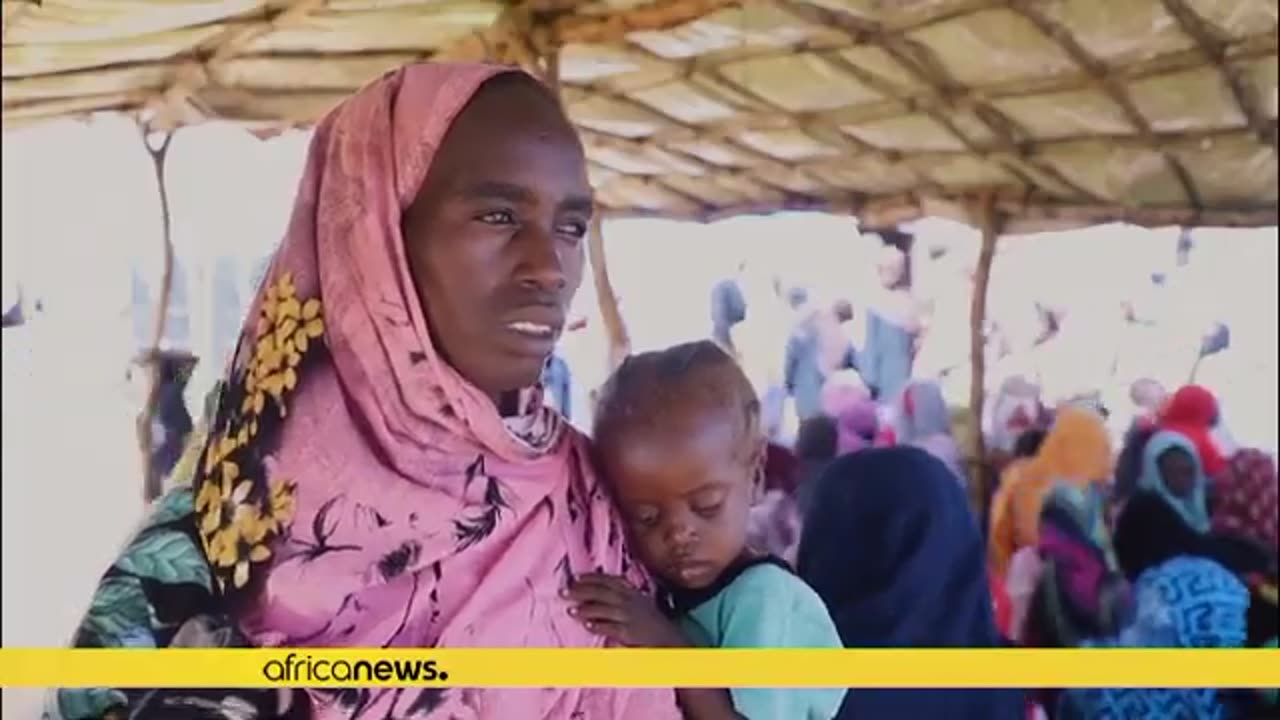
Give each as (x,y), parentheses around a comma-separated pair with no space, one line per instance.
(1186,602)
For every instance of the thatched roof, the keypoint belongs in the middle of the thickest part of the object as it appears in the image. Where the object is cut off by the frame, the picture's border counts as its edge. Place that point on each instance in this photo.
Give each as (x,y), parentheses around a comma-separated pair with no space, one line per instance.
(1071,111)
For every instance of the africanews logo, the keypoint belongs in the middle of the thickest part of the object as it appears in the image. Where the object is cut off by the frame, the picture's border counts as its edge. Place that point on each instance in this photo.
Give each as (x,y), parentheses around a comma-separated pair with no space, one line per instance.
(294,669)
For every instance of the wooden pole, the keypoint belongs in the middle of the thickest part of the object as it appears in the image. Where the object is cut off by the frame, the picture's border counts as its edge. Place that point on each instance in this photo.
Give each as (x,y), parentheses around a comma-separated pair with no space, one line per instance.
(610,313)
(152,482)
(989,222)
(606,299)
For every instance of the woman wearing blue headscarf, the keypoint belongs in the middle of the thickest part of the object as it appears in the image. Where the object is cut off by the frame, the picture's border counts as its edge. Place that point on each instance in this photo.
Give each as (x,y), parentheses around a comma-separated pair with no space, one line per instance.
(1168,516)
(892,549)
(1179,566)
(1186,602)
(1171,468)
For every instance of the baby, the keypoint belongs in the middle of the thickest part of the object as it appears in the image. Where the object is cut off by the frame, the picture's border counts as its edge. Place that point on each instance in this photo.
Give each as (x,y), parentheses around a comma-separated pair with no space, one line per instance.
(677,433)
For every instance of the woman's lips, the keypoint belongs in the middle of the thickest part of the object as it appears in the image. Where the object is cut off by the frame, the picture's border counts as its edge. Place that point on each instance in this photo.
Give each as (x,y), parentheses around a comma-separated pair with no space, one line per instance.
(532,329)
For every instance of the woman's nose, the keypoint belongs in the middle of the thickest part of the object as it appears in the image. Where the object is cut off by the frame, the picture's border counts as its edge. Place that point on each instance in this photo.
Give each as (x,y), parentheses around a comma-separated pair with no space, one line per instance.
(541,266)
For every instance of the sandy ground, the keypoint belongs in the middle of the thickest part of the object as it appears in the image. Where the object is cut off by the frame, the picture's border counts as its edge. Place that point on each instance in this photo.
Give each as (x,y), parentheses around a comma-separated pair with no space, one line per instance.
(70,496)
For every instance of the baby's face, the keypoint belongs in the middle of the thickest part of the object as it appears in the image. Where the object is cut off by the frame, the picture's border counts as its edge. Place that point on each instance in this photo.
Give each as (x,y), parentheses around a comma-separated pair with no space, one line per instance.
(686,498)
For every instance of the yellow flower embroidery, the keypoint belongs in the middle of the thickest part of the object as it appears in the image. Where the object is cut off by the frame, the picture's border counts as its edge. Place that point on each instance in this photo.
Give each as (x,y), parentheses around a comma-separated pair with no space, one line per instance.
(220,448)
(284,331)
(282,503)
(225,499)
(238,516)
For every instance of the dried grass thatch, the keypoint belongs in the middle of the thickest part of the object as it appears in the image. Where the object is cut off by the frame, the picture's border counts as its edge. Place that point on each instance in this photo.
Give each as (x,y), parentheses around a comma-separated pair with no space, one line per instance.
(1069,111)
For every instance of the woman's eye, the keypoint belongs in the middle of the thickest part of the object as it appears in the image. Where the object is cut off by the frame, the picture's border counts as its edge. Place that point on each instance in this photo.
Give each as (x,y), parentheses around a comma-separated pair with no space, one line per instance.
(707,510)
(498,217)
(576,229)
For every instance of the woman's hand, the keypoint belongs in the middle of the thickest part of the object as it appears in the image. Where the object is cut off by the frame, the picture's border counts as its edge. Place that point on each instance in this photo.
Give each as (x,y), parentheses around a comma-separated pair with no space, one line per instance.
(609,606)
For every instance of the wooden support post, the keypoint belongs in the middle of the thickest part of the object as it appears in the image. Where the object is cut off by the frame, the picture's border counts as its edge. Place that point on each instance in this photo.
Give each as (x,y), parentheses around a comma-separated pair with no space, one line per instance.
(610,314)
(152,481)
(607,302)
(989,222)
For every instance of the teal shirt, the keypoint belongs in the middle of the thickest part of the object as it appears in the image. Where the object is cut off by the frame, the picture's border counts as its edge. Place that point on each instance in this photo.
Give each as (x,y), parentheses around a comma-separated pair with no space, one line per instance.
(767,607)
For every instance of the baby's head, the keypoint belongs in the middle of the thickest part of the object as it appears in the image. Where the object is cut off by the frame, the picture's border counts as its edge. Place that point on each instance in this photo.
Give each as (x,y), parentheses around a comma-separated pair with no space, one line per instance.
(677,434)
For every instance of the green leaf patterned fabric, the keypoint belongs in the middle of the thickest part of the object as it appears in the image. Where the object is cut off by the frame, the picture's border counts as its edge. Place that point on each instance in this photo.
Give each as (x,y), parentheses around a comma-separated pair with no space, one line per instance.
(166,557)
(119,616)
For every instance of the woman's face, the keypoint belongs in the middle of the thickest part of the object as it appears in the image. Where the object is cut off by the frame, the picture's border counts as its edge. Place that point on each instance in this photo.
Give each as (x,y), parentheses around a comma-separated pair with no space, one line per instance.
(495,235)
(1178,470)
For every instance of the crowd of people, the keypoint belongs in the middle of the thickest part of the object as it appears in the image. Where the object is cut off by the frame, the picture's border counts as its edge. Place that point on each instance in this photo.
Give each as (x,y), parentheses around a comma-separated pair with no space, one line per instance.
(378,468)
(1169,540)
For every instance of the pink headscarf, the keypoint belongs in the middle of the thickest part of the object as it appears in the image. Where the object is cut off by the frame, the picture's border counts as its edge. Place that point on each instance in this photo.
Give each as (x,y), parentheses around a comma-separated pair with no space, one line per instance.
(842,390)
(1246,496)
(400,509)
(856,427)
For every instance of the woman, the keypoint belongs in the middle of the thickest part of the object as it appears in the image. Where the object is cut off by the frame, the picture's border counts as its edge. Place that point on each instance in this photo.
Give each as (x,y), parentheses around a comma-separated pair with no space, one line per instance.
(1076,450)
(1076,591)
(917,580)
(1193,412)
(1169,519)
(924,421)
(1244,499)
(171,424)
(1186,602)
(841,390)
(1014,410)
(1081,592)
(380,470)
(893,324)
(816,349)
(774,523)
(816,446)
(856,427)
(1169,516)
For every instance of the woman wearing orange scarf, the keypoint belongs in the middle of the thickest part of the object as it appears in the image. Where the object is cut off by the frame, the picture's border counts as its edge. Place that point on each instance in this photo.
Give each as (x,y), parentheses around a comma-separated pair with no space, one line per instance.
(1077,450)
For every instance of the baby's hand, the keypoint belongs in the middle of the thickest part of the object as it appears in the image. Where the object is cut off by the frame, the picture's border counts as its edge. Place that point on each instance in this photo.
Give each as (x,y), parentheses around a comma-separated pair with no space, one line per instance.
(609,606)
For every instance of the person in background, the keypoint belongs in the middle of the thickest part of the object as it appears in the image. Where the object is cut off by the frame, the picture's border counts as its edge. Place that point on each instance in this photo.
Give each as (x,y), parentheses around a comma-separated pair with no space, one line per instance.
(1243,498)
(774,525)
(916,580)
(924,421)
(1192,411)
(1169,516)
(1025,449)
(679,440)
(1076,589)
(817,443)
(816,349)
(1028,444)
(1147,397)
(856,427)
(756,346)
(1081,592)
(381,470)
(171,425)
(1129,463)
(842,389)
(728,308)
(1076,450)
(892,325)
(1184,602)
(1168,520)
(1015,409)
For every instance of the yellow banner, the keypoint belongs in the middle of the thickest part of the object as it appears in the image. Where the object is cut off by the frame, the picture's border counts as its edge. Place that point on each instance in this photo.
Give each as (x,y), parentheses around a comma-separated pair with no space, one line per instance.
(639,668)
